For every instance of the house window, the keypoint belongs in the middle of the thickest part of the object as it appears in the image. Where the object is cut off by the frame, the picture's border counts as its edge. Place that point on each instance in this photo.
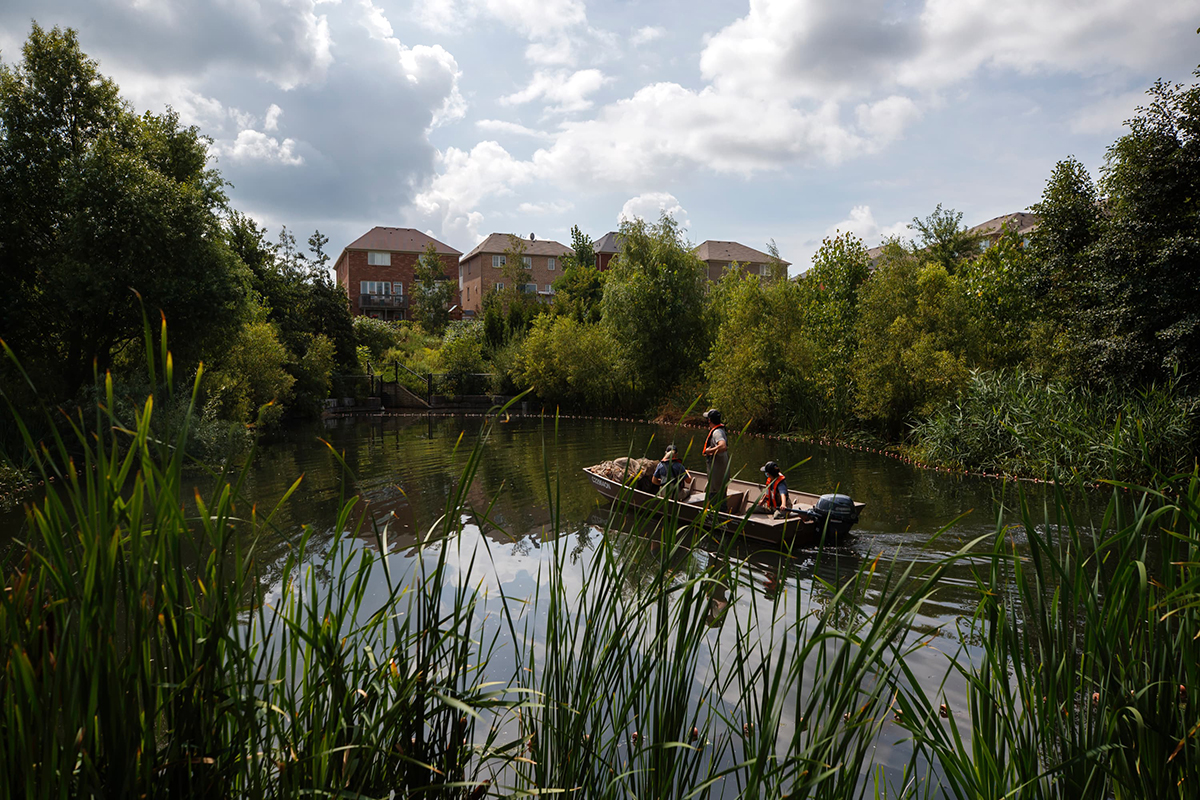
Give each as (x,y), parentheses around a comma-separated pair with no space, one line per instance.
(550,263)
(499,287)
(549,288)
(379,259)
(764,269)
(398,289)
(498,261)
(376,287)
(529,288)
(526,262)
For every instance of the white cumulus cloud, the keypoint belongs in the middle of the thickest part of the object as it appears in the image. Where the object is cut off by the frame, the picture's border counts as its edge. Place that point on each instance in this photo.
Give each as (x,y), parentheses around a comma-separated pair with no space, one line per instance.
(252,145)
(652,205)
(561,91)
(861,222)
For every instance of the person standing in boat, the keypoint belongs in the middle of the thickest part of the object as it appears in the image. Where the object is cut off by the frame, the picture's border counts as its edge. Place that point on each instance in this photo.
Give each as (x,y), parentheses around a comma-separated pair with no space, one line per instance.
(670,476)
(775,498)
(716,455)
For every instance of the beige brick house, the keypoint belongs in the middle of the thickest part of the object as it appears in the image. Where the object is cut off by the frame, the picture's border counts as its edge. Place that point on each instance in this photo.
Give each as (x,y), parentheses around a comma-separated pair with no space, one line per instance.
(482,269)
(376,270)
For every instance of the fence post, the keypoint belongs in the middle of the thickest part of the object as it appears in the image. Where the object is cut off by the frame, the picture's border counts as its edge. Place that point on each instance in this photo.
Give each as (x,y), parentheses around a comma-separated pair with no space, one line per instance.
(429,389)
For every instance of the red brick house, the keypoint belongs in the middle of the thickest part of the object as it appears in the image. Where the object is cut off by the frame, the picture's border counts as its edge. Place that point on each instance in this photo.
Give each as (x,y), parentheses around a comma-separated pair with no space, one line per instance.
(720,256)
(605,248)
(376,270)
(482,269)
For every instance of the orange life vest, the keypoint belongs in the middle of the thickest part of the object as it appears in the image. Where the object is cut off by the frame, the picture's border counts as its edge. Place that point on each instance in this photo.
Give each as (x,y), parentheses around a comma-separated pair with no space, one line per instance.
(772,496)
(711,431)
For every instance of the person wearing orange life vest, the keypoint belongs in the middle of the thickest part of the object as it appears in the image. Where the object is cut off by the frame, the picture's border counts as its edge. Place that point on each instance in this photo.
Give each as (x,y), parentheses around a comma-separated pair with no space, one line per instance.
(716,455)
(775,498)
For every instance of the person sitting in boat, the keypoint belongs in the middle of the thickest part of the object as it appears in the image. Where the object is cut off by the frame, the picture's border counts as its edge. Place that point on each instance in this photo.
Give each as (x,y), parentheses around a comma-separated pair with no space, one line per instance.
(775,497)
(670,476)
(716,454)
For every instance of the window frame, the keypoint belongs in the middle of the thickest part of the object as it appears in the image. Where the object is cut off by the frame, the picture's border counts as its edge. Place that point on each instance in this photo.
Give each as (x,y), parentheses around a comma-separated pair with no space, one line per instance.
(379,258)
(499,261)
(385,286)
(527,262)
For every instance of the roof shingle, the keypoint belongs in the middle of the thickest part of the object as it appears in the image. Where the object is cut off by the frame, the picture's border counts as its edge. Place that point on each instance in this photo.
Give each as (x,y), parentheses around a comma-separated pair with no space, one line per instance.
(399,240)
(498,243)
(714,250)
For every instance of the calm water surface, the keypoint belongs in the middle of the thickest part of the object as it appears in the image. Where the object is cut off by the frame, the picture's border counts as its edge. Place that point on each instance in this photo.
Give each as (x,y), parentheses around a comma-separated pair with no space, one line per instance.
(402,469)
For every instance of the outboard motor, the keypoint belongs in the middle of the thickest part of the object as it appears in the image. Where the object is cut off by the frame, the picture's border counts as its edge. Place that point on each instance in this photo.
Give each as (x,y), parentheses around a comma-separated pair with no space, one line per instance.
(834,513)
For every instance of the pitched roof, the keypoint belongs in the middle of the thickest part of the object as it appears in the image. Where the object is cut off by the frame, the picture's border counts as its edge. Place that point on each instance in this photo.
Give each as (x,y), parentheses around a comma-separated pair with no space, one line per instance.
(608,243)
(399,240)
(714,250)
(498,243)
(1022,222)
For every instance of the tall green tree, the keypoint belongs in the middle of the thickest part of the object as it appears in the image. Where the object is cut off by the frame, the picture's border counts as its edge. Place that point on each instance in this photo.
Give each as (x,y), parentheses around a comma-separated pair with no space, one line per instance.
(1146,261)
(943,238)
(655,305)
(103,207)
(760,370)
(432,292)
(583,250)
(828,306)
(1062,286)
(580,288)
(915,340)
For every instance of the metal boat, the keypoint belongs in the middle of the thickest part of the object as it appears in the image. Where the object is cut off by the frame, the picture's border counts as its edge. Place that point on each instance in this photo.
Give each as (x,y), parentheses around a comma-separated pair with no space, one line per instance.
(813,519)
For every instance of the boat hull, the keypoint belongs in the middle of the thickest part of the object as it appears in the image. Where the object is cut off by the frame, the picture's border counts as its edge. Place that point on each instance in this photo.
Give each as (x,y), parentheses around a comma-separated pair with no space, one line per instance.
(744,518)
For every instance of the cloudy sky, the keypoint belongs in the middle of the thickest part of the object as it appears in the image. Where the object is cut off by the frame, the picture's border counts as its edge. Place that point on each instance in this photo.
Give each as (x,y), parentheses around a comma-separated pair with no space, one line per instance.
(750,121)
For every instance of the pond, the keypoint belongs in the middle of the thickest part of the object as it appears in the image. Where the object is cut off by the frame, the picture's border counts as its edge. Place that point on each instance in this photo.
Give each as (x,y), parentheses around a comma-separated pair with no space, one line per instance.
(530,503)
(404,467)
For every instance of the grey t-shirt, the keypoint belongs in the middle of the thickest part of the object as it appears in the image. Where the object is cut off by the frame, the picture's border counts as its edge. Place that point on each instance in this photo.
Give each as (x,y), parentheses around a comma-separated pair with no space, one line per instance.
(718,465)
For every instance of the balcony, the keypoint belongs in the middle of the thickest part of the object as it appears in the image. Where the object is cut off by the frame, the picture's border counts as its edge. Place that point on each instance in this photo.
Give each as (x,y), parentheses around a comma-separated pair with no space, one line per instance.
(366,301)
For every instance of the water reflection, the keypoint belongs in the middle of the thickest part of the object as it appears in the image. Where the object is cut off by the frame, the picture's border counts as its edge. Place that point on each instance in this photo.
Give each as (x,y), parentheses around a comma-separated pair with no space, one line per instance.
(529,490)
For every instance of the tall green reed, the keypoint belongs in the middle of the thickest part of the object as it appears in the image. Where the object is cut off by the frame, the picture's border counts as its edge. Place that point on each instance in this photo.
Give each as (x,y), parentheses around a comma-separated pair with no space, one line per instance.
(151,651)
(1086,681)
(144,659)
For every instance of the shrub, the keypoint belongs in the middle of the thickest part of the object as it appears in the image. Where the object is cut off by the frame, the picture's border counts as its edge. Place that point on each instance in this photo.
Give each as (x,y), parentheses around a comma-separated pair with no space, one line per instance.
(251,375)
(566,361)
(376,335)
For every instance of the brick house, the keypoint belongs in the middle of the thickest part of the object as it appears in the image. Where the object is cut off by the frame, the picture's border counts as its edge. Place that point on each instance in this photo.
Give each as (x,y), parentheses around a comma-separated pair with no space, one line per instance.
(608,246)
(719,256)
(376,270)
(482,269)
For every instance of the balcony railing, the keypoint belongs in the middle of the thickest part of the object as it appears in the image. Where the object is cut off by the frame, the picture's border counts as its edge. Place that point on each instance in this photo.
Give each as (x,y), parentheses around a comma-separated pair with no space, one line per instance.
(382,301)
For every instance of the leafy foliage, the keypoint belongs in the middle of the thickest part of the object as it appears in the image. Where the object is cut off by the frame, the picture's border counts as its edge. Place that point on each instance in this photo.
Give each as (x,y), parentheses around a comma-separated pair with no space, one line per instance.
(655,306)
(915,340)
(761,343)
(433,292)
(100,204)
(1146,261)
(566,361)
(943,240)
(828,308)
